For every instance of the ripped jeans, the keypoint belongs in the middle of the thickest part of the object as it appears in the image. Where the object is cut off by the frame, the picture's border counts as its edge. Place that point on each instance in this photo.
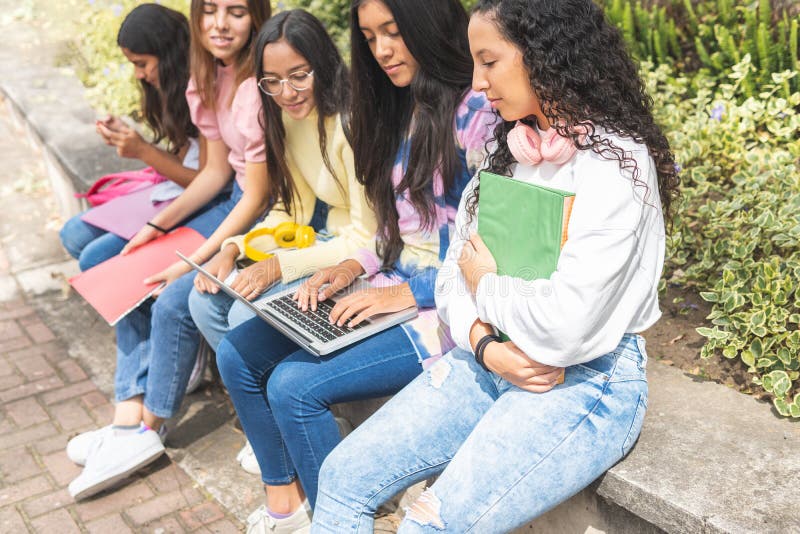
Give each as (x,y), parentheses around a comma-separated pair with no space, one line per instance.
(504,455)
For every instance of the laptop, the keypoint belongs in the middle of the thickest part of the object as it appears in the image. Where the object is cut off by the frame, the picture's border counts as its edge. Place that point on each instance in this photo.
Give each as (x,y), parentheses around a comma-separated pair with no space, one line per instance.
(312,330)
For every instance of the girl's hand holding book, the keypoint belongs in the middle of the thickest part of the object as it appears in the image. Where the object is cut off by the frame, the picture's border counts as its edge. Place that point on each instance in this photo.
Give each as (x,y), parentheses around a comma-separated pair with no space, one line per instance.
(143,236)
(508,361)
(475,261)
(168,275)
(337,277)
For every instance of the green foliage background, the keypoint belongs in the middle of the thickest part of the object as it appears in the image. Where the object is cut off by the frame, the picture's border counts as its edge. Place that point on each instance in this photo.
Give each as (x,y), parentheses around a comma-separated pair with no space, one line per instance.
(724,78)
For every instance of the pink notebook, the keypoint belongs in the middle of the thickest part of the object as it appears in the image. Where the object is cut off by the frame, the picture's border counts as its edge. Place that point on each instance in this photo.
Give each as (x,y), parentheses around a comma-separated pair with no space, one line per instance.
(125,215)
(115,287)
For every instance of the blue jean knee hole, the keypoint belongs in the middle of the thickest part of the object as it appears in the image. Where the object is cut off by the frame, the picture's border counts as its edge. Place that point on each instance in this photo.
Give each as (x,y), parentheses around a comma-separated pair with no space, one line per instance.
(438,373)
(426,510)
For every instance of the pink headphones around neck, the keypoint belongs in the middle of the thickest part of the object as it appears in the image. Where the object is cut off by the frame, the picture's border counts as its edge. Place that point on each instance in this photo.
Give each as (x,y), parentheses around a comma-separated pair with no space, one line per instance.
(529,148)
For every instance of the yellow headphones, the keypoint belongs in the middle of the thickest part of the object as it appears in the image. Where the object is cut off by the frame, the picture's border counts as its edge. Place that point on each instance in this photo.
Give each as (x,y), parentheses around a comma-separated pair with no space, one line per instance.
(286,235)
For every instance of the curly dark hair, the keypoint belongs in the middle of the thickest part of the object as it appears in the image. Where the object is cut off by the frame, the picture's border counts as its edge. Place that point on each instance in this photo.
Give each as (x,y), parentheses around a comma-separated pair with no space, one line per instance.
(162,32)
(583,75)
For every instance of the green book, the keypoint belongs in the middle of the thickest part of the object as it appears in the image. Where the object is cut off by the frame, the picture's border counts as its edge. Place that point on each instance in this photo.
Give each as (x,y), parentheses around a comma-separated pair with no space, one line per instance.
(523,225)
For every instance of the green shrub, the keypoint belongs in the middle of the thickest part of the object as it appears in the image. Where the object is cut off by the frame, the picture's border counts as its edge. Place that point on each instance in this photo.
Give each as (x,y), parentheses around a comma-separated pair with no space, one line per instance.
(714,35)
(736,237)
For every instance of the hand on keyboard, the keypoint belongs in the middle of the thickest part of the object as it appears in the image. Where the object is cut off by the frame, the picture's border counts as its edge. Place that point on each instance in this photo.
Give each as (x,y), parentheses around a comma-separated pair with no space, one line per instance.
(337,277)
(356,307)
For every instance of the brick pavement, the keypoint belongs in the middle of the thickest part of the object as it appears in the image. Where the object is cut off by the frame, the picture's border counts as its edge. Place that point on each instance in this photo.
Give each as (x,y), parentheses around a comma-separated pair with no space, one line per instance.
(45,398)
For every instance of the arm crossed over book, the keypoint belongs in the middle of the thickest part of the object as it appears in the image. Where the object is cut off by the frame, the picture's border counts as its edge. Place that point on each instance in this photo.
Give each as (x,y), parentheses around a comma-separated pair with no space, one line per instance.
(522,228)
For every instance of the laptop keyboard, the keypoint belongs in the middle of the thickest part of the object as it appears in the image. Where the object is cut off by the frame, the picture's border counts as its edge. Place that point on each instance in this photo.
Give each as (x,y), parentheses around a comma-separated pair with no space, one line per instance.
(315,323)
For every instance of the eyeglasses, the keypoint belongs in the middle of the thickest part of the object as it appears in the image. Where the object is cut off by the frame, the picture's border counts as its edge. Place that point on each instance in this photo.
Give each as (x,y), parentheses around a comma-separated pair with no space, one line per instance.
(299,81)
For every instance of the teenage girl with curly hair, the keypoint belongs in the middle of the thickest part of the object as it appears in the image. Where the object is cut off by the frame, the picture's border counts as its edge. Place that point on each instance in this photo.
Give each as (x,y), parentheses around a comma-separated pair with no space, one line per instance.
(506,439)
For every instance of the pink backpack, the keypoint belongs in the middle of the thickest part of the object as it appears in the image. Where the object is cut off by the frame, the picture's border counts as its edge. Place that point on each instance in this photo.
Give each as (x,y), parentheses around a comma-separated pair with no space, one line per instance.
(119,184)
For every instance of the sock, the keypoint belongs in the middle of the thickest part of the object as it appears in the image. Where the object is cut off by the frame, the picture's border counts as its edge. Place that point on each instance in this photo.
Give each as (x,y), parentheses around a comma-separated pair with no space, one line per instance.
(125,429)
(276,515)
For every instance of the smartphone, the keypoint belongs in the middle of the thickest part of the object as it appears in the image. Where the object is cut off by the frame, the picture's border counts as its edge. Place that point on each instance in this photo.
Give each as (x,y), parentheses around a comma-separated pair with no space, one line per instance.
(107,122)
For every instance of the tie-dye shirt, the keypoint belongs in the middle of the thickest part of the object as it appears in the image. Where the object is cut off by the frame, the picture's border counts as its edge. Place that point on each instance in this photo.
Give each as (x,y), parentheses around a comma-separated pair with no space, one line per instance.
(425,248)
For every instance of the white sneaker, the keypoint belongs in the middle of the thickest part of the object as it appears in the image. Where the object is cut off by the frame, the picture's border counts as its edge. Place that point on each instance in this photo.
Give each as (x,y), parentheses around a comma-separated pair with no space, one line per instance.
(247,458)
(79,446)
(114,456)
(260,522)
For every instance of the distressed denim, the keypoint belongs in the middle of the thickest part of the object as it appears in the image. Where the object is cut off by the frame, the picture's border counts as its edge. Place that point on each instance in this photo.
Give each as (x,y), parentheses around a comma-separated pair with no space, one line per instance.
(504,455)
(283,394)
(157,342)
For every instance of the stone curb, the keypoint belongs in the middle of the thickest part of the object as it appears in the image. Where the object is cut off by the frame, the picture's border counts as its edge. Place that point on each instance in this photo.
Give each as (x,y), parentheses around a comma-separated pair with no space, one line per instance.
(49,104)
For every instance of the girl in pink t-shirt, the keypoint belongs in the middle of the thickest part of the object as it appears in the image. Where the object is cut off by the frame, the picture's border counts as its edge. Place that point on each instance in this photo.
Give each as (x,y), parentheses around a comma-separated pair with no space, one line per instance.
(157,343)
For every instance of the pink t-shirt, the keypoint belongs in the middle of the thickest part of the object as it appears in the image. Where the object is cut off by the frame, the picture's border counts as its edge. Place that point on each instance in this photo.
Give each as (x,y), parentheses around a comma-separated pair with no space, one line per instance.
(236,124)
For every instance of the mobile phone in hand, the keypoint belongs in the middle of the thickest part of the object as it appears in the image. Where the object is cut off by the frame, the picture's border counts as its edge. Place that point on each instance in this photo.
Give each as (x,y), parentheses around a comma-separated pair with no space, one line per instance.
(107,123)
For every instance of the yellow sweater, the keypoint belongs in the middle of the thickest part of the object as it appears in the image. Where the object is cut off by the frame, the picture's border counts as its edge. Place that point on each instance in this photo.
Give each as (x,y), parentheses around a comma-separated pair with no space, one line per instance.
(350,219)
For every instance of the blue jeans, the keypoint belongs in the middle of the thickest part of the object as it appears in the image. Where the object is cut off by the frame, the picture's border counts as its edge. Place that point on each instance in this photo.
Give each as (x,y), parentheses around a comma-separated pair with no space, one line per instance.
(504,455)
(157,342)
(215,314)
(283,394)
(89,244)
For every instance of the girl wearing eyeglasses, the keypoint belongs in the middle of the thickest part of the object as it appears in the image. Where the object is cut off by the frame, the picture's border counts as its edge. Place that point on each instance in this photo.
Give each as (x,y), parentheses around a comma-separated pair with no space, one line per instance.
(304,90)
(157,343)
(418,136)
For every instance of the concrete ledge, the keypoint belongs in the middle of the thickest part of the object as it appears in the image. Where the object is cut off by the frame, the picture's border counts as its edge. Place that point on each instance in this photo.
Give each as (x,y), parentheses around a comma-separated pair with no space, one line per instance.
(49,103)
(709,460)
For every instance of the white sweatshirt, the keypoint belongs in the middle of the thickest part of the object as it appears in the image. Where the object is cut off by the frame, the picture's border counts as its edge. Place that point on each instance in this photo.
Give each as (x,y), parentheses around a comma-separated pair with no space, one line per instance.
(606,281)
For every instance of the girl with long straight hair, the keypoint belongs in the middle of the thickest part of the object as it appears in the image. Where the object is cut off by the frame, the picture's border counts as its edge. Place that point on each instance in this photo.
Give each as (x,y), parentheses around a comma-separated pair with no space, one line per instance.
(304,94)
(155,39)
(493,419)
(157,343)
(418,70)
(304,88)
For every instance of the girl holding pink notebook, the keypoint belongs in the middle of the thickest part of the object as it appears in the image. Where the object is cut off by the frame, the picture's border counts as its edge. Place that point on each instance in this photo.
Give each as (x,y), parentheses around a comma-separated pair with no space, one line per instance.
(157,343)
